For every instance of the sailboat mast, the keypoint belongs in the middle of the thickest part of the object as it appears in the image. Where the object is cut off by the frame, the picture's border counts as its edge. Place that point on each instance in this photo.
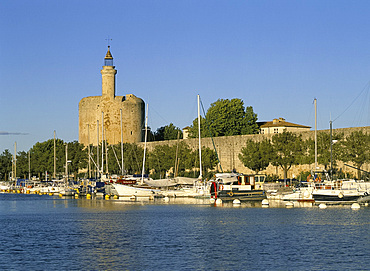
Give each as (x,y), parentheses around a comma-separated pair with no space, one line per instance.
(121,143)
(29,165)
(106,152)
(15,162)
(88,149)
(55,163)
(177,152)
(315,134)
(200,146)
(331,150)
(102,142)
(97,147)
(146,134)
(66,173)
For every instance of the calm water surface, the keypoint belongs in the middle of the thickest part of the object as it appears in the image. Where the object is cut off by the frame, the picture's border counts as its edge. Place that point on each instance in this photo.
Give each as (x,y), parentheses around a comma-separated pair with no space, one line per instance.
(49,233)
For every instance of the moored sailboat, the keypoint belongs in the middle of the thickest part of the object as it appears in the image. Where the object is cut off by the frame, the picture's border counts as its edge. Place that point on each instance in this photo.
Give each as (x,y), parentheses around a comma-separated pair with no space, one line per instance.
(303,193)
(125,190)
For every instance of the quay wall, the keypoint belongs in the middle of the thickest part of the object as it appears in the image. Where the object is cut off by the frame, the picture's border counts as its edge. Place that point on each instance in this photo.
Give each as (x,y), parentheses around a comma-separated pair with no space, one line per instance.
(229,148)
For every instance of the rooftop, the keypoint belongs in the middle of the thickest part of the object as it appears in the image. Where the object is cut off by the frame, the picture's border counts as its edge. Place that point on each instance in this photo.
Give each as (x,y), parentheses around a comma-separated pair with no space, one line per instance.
(280,122)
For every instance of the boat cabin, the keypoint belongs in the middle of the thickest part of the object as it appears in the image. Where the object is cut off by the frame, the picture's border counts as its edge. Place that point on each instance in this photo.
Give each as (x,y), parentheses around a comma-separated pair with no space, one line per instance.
(229,186)
(245,180)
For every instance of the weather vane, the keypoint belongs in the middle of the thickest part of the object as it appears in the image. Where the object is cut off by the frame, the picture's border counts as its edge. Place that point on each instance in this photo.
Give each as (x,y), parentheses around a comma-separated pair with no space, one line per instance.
(108,39)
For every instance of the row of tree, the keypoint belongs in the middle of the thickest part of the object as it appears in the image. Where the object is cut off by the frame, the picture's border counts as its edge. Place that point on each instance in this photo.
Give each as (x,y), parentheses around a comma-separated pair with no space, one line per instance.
(288,149)
(39,160)
(284,150)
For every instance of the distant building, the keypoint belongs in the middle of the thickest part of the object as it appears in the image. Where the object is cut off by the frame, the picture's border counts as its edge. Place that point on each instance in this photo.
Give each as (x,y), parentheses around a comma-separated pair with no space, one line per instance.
(96,112)
(185,132)
(279,125)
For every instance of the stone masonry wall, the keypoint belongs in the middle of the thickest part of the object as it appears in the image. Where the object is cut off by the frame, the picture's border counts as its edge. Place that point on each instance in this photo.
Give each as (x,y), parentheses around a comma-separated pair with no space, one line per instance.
(229,147)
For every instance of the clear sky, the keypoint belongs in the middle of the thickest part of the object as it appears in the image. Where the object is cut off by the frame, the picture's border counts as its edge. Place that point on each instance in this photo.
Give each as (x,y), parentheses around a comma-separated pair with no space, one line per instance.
(277,56)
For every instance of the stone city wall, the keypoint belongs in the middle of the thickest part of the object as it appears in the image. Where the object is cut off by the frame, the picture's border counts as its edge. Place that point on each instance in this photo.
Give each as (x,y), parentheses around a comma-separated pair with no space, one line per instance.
(229,148)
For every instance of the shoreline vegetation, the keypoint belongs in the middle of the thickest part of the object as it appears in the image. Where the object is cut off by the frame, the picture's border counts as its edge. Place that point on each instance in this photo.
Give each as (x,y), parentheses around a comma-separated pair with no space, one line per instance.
(256,154)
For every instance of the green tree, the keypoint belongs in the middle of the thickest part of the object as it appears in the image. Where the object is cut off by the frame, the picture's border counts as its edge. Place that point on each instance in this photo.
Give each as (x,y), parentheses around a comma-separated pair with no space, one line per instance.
(323,149)
(114,159)
(162,159)
(5,164)
(168,132)
(22,164)
(250,122)
(356,149)
(287,150)
(204,129)
(256,155)
(77,154)
(226,118)
(132,158)
(42,157)
(209,159)
(184,158)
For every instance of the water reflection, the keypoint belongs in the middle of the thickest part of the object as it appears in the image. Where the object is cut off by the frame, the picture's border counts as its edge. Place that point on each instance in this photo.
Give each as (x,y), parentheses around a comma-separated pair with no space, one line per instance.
(47,233)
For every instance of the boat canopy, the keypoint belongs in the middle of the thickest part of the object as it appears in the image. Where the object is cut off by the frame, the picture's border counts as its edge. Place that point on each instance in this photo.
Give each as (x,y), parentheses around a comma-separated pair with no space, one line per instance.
(171,182)
(226,178)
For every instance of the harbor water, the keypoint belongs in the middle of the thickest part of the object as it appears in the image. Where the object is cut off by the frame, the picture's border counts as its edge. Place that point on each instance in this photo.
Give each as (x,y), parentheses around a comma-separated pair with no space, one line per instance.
(51,233)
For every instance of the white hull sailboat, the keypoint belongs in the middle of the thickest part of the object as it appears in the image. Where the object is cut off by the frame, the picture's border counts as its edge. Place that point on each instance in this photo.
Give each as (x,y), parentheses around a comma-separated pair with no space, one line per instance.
(123,190)
(129,191)
(181,187)
(301,194)
(184,186)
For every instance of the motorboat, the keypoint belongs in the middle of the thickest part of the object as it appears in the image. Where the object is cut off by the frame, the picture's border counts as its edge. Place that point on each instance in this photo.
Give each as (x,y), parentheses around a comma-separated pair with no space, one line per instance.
(231,186)
(341,191)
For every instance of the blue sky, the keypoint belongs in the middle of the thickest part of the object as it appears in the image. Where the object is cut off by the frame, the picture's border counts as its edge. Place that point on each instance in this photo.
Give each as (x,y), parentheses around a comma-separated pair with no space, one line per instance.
(277,56)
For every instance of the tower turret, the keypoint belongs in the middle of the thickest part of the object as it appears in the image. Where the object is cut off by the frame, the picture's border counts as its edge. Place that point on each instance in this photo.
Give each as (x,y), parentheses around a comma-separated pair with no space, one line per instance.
(108,76)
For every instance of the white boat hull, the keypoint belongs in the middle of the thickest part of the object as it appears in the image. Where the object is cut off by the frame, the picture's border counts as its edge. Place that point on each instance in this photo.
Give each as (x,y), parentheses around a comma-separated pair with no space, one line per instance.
(191,192)
(129,191)
(299,195)
(4,187)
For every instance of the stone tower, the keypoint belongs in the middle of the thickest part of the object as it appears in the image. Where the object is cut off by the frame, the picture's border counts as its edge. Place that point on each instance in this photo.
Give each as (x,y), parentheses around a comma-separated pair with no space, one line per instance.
(93,109)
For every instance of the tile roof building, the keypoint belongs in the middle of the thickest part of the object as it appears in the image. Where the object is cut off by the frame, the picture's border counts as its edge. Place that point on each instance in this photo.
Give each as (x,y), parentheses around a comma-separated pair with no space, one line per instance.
(280,125)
